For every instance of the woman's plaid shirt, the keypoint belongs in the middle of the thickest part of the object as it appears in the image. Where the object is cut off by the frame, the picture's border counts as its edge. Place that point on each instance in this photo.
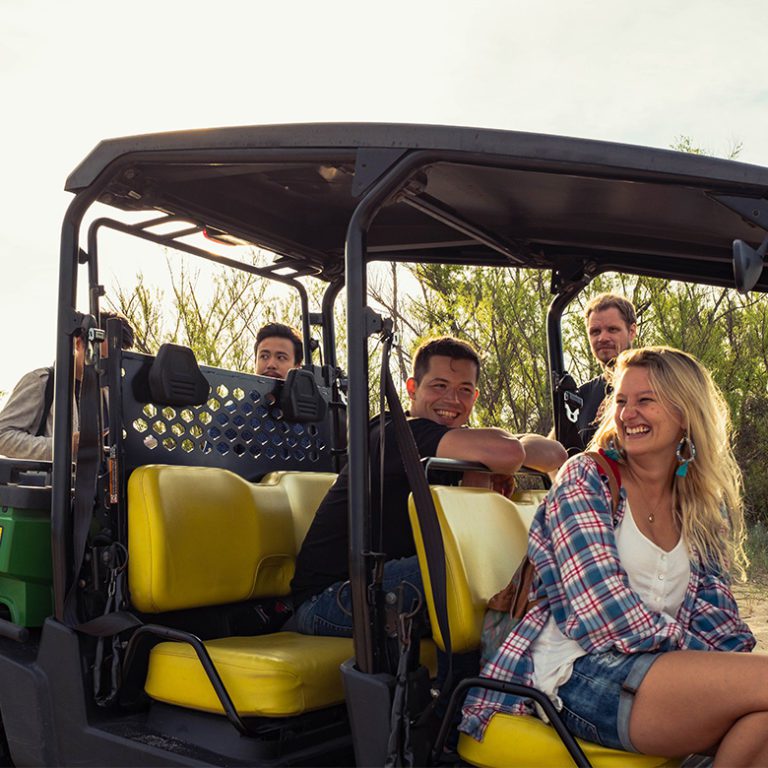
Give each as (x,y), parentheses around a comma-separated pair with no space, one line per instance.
(580,582)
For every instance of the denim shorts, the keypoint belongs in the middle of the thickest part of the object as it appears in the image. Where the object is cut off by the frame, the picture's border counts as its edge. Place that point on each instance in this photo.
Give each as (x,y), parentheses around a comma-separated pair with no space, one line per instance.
(598,697)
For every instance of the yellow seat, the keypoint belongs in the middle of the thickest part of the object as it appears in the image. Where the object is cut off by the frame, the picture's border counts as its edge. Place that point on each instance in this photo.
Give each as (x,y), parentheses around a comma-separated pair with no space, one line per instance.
(527,502)
(485,536)
(512,740)
(268,676)
(200,536)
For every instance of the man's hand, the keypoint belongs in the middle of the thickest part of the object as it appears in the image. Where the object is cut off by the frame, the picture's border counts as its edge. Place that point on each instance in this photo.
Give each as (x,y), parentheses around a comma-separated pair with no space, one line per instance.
(503,484)
(495,481)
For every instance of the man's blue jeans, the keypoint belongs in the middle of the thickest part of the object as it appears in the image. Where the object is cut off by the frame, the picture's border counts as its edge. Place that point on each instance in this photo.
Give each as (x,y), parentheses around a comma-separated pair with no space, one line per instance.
(330,612)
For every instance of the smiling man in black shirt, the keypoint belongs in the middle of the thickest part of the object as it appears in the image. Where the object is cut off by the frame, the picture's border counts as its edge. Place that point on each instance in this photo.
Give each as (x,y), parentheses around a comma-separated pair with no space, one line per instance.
(442,392)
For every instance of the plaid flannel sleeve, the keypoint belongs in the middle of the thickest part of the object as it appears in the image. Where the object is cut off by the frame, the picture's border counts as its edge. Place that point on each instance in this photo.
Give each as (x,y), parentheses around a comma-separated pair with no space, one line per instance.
(715,624)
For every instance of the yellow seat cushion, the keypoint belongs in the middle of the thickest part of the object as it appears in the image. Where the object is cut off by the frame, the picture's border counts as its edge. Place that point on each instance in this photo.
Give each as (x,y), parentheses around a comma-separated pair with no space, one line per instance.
(276,675)
(513,741)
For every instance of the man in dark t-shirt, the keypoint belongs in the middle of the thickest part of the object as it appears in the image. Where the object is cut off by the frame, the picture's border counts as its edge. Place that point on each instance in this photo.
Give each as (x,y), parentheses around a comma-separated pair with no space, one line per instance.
(323,559)
(611,328)
(593,394)
(442,392)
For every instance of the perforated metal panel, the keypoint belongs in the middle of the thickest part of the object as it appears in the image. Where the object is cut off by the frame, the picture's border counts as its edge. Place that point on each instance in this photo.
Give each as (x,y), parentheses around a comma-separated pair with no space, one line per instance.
(240,427)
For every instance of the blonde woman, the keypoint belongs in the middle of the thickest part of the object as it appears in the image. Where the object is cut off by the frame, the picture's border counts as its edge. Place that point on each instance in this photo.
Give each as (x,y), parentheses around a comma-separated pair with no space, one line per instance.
(636,636)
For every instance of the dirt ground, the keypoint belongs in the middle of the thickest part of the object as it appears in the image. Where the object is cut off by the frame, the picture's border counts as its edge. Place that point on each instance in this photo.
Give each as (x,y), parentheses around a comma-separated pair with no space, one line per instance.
(752,598)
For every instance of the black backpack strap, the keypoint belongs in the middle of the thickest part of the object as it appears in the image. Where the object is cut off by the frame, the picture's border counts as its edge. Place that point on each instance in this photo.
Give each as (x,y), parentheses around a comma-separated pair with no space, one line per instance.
(47,403)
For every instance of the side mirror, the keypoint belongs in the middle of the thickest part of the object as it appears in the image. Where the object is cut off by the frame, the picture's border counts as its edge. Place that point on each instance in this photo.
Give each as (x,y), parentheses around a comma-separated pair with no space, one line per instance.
(747,264)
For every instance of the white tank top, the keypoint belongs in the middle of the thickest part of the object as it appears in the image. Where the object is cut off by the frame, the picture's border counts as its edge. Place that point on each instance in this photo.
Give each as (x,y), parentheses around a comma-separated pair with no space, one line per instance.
(659,577)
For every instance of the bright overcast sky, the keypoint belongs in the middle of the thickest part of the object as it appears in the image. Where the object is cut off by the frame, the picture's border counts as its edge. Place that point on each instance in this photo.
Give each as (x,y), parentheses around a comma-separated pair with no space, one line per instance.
(74,72)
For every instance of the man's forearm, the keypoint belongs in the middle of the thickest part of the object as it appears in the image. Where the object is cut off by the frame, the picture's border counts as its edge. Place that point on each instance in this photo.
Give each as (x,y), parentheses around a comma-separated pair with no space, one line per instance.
(499,450)
(542,453)
(20,418)
(18,444)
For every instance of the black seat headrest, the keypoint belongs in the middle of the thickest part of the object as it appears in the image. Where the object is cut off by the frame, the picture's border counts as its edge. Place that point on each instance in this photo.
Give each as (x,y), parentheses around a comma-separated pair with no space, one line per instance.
(175,377)
(300,399)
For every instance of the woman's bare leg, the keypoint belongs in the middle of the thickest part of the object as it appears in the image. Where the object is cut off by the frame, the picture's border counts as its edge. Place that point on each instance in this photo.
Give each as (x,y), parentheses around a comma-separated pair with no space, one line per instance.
(745,743)
(691,701)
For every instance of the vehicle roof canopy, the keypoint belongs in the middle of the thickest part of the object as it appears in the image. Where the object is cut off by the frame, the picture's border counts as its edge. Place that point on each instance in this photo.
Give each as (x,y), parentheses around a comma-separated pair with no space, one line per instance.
(481,197)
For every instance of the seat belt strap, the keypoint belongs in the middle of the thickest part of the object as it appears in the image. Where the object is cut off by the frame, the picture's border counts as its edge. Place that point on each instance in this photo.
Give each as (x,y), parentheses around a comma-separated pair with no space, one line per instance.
(425,509)
(86,475)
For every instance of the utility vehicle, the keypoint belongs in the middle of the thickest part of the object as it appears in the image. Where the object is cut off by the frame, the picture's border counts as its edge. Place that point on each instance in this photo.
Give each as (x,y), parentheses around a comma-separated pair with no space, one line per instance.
(144,592)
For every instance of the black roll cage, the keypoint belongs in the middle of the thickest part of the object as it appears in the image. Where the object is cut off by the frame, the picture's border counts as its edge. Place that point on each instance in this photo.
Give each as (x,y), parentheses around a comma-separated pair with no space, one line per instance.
(384,176)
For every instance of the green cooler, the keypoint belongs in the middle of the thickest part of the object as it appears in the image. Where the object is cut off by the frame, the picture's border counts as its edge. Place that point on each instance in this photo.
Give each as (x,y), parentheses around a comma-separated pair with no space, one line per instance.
(26,593)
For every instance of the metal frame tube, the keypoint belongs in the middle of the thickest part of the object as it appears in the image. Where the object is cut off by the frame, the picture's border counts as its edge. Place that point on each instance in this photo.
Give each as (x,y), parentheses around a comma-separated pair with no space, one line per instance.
(306,331)
(330,360)
(170,241)
(61,501)
(555,356)
(355,257)
(179,636)
(329,323)
(445,215)
(139,230)
(516,689)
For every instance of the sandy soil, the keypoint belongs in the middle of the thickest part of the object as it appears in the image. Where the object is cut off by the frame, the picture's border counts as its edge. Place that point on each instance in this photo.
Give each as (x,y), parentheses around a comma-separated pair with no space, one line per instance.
(752,598)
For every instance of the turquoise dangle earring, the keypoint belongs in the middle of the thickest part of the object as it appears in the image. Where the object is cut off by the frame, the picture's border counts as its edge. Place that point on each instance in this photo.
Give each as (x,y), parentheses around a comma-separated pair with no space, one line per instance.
(682,469)
(612,452)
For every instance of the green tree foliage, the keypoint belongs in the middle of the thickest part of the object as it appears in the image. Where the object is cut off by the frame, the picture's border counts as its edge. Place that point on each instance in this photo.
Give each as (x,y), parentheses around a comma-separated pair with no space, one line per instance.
(502,313)
(686,144)
(218,320)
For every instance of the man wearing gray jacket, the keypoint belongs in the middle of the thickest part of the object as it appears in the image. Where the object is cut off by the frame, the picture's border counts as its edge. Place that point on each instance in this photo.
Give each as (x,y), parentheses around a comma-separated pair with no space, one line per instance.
(26,421)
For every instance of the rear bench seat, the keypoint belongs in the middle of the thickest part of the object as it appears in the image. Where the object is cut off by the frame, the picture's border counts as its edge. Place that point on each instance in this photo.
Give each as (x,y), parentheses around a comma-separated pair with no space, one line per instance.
(202,536)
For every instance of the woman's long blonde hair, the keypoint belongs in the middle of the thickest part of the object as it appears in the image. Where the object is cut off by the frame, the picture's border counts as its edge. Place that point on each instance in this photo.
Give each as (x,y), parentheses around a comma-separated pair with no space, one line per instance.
(708,500)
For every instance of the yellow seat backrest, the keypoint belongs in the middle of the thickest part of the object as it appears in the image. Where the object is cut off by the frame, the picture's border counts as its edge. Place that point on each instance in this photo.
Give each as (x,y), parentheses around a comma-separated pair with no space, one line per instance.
(527,502)
(205,536)
(305,491)
(485,537)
